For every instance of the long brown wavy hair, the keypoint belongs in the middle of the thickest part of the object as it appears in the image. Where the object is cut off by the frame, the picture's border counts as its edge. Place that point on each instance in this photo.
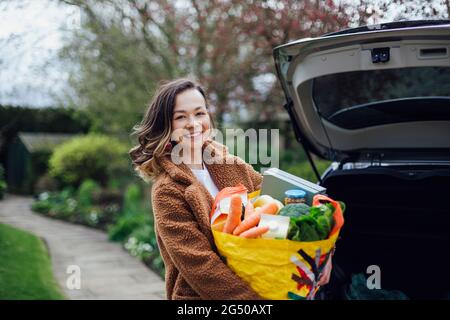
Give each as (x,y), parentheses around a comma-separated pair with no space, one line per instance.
(154,131)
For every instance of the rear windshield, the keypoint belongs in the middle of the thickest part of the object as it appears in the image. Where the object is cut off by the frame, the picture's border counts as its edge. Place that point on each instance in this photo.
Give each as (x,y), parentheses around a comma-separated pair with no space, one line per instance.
(359,99)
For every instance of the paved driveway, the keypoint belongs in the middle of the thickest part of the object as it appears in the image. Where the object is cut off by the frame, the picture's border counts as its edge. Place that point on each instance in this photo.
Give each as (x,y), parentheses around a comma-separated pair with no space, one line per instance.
(107,270)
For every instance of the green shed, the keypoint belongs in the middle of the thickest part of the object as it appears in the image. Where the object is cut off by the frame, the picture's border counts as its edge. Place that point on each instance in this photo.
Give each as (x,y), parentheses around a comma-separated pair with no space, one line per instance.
(27,158)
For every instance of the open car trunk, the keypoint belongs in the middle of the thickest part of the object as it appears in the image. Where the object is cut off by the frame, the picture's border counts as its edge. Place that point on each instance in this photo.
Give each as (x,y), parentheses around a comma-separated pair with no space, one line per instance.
(398,220)
(376,102)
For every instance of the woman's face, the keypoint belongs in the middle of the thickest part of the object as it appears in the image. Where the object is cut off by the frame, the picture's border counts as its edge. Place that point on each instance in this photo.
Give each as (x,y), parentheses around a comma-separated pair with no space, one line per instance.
(190,119)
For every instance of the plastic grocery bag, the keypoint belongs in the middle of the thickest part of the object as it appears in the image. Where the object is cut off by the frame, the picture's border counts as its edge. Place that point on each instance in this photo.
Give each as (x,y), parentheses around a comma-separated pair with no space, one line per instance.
(277,269)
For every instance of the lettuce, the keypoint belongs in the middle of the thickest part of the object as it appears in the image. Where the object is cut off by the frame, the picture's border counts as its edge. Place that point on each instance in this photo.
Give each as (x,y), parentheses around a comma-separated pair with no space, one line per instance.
(313,226)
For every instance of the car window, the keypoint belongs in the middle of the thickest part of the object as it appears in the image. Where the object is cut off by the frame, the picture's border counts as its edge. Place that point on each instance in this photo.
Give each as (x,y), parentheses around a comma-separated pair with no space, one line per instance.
(359,99)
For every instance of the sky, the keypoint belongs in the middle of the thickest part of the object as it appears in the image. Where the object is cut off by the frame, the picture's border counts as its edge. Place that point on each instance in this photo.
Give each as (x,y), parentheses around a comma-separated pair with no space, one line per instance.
(31,33)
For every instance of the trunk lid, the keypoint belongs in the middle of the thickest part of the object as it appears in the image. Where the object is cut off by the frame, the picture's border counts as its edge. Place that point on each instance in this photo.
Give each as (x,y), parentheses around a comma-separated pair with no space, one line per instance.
(371,94)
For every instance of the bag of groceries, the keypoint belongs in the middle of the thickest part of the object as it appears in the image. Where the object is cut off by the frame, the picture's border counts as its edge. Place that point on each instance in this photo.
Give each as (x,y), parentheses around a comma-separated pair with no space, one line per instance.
(279,249)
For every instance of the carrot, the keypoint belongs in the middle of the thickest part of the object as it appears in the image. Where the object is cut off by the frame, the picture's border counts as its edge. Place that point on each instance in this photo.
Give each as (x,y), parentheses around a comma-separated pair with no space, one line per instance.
(219,223)
(249,222)
(249,210)
(254,232)
(234,216)
(268,208)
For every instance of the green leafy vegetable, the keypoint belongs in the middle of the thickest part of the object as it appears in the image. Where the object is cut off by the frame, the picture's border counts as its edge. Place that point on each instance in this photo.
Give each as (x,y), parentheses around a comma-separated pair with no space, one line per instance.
(294,210)
(309,223)
(324,226)
(308,233)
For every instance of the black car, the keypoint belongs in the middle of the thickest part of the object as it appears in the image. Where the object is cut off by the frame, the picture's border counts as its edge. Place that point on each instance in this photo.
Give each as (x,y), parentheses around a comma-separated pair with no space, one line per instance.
(376,101)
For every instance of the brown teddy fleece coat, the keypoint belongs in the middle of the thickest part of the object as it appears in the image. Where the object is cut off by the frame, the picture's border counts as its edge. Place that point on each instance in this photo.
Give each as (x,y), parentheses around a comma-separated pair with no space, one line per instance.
(181,207)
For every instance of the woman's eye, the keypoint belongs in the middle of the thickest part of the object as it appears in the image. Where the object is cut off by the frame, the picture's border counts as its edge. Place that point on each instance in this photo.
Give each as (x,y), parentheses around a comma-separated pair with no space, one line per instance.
(197,114)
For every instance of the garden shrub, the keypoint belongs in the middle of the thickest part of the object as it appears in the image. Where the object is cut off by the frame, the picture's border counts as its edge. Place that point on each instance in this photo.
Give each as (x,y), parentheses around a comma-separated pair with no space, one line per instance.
(126,225)
(105,196)
(132,199)
(43,205)
(94,156)
(142,243)
(45,183)
(2,183)
(144,233)
(304,170)
(104,215)
(86,191)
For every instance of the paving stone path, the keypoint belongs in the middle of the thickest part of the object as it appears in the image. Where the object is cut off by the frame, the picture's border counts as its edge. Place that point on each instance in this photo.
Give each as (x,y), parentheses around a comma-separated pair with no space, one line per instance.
(107,270)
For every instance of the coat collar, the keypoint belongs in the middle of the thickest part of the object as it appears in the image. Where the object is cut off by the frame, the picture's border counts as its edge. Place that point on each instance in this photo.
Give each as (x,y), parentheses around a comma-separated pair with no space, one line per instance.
(219,172)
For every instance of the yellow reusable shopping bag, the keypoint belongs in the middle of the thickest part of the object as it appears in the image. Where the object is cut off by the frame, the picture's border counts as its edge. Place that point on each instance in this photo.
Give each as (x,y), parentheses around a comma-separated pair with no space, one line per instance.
(278,269)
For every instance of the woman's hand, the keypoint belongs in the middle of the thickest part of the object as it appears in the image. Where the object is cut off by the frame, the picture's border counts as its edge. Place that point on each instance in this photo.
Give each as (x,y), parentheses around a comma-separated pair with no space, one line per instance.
(326,273)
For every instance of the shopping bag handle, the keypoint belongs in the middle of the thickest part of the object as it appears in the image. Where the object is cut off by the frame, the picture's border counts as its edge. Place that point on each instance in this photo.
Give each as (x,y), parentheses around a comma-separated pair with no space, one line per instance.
(338,216)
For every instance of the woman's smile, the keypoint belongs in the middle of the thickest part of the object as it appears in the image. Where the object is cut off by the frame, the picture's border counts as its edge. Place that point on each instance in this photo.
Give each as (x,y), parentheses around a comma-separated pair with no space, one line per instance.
(194,135)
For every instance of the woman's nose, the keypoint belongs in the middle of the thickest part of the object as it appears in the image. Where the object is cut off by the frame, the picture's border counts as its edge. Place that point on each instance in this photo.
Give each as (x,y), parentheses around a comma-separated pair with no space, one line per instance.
(192,122)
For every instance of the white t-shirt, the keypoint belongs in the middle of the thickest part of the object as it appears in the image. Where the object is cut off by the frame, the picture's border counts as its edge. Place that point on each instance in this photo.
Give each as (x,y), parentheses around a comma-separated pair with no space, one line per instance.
(205,178)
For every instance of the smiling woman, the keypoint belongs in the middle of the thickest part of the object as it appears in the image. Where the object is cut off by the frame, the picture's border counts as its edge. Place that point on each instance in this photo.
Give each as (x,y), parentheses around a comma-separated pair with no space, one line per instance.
(182,193)
(191,123)
(178,111)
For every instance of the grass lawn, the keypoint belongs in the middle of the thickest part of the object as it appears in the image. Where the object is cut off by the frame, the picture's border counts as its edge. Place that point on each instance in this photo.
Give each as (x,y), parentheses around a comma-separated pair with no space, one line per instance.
(25,268)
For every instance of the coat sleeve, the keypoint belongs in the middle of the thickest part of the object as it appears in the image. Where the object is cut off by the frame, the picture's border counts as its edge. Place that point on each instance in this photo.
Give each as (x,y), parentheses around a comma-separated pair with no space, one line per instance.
(191,252)
(255,176)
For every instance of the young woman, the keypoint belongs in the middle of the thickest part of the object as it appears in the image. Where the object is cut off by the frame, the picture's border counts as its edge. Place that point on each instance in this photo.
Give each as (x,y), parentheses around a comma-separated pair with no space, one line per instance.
(184,188)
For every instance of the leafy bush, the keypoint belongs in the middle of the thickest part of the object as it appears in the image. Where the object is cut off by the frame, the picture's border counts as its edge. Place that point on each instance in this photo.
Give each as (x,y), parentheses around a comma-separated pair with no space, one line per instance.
(108,215)
(45,183)
(65,205)
(93,156)
(59,204)
(304,170)
(105,196)
(43,205)
(86,191)
(114,183)
(132,199)
(56,204)
(2,183)
(289,157)
(2,188)
(142,244)
(54,119)
(100,217)
(126,225)
(145,233)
